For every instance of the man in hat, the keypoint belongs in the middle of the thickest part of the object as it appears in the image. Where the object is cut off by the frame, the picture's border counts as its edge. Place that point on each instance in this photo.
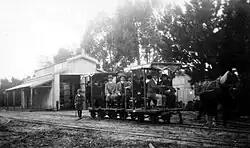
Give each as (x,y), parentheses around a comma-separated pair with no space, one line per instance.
(168,91)
(153,90)
(120,91)
(110,87)
(79,103)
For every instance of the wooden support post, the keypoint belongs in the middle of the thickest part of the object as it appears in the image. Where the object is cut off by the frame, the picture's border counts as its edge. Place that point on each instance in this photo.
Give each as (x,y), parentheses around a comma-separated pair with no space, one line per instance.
(144,85)
(132,90)
(22,99)
(31,97)
(14,98)
(7,100)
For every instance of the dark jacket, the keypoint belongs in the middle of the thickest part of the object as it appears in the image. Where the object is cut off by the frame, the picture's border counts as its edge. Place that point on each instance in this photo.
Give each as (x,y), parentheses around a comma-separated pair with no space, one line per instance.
(152,88)
(120,88)
(79,102)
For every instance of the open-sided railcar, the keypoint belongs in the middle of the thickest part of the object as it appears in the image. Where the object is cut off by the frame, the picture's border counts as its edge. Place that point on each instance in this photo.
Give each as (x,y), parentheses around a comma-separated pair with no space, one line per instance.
(136,106)
(144,110)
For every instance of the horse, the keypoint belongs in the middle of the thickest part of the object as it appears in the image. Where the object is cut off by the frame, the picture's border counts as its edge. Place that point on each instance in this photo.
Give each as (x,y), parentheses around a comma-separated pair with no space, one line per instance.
(213,93)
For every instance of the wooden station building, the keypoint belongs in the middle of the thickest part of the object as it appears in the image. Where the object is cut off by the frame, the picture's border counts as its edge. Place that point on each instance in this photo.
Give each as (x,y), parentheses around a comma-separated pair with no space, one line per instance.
(53,87)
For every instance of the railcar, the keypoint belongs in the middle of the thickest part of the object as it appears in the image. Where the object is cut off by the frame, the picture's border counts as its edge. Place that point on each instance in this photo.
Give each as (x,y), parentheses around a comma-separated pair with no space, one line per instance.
(136,101)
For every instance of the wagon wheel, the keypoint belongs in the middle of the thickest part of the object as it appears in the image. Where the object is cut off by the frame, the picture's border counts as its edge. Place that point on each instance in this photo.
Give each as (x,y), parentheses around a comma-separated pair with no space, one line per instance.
(101,114)
(153,118)
(92,114)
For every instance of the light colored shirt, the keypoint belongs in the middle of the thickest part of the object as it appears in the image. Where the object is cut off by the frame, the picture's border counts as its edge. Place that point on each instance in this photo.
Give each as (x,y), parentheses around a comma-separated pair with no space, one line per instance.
(155,81)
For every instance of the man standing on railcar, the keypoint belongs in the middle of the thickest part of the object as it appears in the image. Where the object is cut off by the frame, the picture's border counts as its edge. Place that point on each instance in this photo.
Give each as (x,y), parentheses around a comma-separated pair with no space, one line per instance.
(79,103)
(110,91)
(120,90)
(153,91)
(168,91)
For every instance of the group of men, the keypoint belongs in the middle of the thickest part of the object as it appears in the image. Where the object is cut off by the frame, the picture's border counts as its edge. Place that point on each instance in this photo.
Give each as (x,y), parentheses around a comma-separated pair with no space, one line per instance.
(115,92)
(157,92)
(160,94)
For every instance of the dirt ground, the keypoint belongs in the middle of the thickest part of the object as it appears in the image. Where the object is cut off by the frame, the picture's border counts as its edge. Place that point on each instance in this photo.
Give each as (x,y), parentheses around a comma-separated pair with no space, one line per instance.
(20,134)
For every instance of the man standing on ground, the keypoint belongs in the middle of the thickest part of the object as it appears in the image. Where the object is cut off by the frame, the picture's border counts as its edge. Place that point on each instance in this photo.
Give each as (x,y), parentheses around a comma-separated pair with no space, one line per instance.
(79,103)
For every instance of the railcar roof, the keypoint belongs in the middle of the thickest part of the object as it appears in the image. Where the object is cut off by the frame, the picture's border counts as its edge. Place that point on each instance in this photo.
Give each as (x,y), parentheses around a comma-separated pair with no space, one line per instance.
(99,73)
(156,66)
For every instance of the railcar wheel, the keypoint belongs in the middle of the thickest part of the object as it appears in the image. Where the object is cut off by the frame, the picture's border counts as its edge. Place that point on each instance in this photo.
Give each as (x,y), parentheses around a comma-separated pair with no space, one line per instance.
(153,118)
(132,116)
(180,118)
(166,118)
(112,115)
(141,117)
(93,114)
(123,115)
(101,115)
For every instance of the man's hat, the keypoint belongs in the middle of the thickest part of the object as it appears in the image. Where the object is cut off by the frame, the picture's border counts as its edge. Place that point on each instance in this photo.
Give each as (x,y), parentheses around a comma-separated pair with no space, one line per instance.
(164,75)
(110,76)
(79,90)
(153,73)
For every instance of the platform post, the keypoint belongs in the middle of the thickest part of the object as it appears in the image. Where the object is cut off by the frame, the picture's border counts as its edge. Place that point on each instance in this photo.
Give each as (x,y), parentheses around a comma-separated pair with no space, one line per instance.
(31,98)
(7,100)
(14,98)
(144,84)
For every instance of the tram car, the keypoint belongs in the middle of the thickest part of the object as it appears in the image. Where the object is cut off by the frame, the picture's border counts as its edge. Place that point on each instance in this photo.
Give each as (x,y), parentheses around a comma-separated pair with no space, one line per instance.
(137,95)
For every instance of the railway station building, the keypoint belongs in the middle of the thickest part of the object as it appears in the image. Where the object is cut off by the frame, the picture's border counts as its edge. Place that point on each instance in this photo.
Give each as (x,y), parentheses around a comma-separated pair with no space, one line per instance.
(52,87)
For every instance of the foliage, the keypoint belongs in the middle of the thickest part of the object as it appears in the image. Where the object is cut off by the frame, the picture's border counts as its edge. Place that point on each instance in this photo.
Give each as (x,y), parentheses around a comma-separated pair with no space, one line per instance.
(190,37)
(5,84)
(209,37)
(62,55)
(45,62)
(117,40)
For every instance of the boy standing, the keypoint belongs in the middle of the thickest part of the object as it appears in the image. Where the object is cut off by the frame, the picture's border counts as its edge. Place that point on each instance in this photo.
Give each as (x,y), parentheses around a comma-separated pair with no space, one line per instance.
(79,103)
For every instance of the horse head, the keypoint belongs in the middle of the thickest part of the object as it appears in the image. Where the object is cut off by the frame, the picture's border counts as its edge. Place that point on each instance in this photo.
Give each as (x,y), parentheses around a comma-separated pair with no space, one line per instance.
(231,79)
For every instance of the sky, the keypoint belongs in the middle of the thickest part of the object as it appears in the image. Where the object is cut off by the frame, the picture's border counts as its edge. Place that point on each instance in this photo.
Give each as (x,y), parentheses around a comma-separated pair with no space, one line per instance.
(30,29)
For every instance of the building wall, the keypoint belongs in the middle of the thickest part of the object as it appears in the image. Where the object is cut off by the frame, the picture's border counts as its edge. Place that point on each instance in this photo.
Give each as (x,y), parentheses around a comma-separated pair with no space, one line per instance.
(45,71)
(81,66)
(185,93)
(75,66)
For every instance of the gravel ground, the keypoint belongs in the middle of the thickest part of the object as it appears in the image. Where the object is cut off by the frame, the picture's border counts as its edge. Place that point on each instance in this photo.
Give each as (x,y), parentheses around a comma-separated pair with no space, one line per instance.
(19,134)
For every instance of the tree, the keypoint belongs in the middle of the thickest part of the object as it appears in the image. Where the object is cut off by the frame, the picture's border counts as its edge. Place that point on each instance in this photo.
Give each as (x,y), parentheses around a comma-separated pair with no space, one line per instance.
(44,62)
(121,39)
(5,84)
(15,81)
(62,55)
(235,45)
(190,38)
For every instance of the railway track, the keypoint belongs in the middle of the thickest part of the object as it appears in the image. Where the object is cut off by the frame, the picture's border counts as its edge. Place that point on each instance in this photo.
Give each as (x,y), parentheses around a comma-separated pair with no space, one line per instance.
(160,134)
(232,127)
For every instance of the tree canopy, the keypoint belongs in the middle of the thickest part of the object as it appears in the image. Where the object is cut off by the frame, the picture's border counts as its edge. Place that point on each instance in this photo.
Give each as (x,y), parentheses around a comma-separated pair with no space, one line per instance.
(62,55)
(209,36)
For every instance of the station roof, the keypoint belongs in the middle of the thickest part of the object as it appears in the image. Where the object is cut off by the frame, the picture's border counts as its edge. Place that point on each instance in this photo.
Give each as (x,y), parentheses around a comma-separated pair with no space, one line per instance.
(33,84)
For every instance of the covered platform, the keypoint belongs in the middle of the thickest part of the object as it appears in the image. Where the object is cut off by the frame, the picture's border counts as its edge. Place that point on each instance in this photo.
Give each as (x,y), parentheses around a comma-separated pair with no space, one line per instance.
(35,93)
